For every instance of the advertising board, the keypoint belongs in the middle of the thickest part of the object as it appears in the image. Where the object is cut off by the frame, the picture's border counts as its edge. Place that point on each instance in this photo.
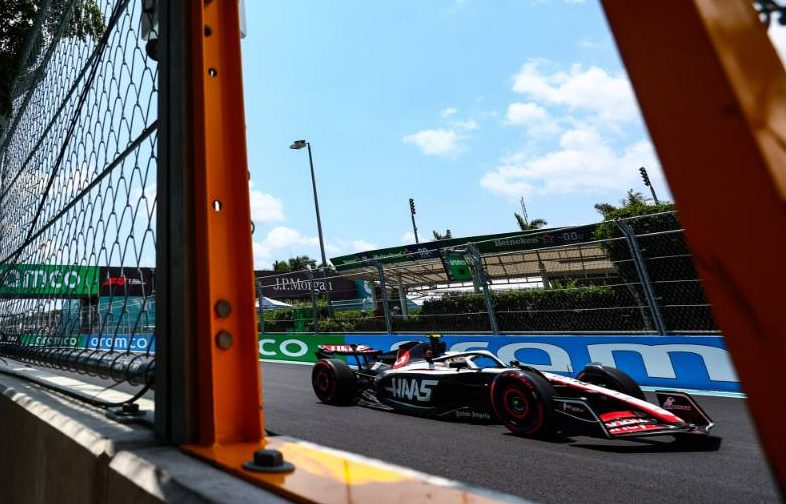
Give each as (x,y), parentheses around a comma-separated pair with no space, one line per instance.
(35,280)
(690,362)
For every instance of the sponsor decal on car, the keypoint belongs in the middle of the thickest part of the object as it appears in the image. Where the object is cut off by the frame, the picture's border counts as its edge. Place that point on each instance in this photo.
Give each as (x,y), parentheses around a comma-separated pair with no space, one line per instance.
(670,404)
(474,415)
(572,408)
(411,388)
(629,421)
(626,429)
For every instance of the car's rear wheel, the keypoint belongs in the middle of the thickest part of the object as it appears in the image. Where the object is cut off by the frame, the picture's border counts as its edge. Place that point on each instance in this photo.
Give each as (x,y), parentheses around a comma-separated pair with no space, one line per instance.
(612,379)
(334,382)
(524,403)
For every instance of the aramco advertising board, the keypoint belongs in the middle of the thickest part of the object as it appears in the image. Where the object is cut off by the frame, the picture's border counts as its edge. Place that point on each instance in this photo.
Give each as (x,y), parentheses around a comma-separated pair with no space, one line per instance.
(68,281)
(38,280)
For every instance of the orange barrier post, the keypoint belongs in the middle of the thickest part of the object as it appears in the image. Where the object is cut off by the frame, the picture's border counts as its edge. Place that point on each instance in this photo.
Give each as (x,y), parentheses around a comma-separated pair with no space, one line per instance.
(713,94)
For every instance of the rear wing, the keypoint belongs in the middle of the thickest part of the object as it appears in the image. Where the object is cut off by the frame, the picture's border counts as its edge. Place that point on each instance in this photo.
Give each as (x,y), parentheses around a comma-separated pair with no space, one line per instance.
(348,349)
(330,351)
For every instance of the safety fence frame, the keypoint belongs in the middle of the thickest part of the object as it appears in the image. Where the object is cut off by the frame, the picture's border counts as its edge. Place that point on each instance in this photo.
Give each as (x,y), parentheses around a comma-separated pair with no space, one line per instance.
(640,279)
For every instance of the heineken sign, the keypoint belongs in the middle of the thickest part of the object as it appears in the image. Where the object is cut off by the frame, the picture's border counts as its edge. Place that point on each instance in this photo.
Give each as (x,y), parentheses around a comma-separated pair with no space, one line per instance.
(32,280)
(487,244)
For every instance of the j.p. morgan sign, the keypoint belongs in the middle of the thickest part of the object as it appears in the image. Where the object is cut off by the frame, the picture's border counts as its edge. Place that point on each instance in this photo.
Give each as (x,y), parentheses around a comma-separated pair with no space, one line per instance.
(32,280)
(299,285)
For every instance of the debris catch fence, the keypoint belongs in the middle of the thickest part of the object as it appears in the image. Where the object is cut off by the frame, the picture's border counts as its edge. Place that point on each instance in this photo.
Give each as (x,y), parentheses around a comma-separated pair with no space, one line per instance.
(631,275)
(78,132)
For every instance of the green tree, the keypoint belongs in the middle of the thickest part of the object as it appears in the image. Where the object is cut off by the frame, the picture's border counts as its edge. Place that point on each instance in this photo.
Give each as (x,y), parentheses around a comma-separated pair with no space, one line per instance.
(447,236)
(666,255)
(297,263)
(281,266)
(533,224)
(18,25)
(634,203)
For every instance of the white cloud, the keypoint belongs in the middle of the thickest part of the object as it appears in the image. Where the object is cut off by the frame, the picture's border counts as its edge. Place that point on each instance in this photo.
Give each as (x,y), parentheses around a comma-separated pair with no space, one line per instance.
(264,207)
(443,142)
(535,118)
(408,238)
(436,142)
(608,96)
(283,241)
(281,237)
(584,163)
(363,245)
(467,125)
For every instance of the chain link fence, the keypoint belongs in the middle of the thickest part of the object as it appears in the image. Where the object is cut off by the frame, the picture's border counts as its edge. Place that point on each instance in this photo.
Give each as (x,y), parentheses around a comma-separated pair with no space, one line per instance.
(629,276)
(78,189)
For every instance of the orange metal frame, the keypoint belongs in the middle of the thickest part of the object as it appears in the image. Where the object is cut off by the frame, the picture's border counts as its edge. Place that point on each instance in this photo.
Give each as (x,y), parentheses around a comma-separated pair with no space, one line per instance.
(713,94)
(229,383)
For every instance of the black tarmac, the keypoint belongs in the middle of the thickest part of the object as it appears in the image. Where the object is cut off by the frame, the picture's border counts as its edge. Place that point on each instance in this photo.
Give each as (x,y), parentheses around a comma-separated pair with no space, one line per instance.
(579,469)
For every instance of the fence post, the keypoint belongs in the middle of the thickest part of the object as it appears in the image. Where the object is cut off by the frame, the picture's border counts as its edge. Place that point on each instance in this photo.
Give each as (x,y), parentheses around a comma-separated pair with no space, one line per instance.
(480,274)
(209,347)
(314,309)
(261,308)
(641,269)
(383,288)
(402,298)
(327,292)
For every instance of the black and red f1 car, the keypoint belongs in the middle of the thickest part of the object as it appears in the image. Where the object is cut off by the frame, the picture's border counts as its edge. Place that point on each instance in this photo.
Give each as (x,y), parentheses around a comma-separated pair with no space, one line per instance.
(421,378)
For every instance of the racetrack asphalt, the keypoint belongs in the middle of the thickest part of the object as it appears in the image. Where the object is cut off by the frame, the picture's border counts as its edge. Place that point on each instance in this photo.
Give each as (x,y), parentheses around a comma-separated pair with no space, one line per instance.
(580,469)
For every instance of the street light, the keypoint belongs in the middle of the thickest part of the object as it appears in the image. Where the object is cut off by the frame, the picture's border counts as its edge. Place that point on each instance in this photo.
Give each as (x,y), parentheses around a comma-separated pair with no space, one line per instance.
(297,145)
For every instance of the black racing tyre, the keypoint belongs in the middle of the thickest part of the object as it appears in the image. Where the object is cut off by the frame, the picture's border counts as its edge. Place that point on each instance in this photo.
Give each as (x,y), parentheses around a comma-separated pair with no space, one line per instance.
(334,382)
(524,402)
(612,379)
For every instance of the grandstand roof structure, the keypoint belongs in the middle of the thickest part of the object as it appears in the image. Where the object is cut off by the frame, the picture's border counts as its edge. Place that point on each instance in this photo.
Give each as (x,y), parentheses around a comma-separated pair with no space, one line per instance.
(556,252)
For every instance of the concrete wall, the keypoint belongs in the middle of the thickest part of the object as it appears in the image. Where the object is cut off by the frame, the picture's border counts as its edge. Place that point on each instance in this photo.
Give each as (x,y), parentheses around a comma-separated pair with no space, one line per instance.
(57,450)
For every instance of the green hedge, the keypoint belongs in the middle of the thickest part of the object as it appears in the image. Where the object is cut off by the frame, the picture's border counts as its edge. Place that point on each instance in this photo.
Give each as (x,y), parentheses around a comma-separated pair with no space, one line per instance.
(571,309)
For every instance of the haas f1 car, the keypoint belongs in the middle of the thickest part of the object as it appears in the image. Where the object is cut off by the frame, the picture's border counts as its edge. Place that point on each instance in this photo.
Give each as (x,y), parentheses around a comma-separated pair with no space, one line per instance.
(421,378)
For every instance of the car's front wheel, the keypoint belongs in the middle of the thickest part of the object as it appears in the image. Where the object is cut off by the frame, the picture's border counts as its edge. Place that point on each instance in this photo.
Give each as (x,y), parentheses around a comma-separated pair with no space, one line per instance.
(334,382)
(524,403)
(611,378)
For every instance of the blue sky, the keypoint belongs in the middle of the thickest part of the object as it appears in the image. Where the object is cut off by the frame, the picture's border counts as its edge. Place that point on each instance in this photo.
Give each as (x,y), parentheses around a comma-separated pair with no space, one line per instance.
(465,106)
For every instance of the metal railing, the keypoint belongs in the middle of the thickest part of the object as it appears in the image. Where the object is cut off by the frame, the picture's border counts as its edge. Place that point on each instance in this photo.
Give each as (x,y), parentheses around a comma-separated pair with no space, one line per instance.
(627,276)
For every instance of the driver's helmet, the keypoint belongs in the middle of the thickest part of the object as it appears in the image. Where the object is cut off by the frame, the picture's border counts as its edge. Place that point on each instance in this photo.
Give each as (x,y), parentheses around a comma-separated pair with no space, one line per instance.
(437,346)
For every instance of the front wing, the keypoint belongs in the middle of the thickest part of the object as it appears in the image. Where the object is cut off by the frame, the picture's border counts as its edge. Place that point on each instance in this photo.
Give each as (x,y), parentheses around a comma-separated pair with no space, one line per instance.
(577,417)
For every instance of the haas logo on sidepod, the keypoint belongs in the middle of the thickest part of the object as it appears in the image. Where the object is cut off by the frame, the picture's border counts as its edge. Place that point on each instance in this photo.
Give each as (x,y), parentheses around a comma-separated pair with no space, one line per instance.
(411,388)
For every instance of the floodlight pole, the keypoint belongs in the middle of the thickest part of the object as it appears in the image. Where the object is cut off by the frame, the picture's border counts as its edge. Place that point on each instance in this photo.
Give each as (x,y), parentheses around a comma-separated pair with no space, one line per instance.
(297,145)
(316,207)
(412,215)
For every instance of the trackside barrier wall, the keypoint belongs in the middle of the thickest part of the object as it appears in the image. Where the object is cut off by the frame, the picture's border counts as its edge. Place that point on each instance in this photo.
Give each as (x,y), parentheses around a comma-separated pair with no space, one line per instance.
(674,361)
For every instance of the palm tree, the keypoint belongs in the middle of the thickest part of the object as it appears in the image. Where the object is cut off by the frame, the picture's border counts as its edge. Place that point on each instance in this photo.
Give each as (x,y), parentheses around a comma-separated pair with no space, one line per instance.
(446,236)
(533,224)
(281,266)
(301,263)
